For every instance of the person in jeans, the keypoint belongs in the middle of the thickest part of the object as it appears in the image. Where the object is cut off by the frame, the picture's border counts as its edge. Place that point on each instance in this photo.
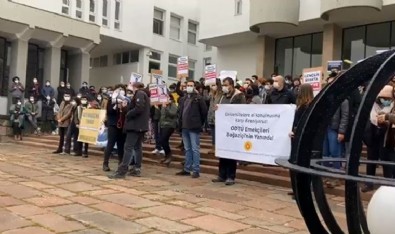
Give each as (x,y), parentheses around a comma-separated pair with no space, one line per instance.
(136,125)
(168,123)
(116,113)
(64,119)
(192,115)
(215,97)
(335,136)
(227,167)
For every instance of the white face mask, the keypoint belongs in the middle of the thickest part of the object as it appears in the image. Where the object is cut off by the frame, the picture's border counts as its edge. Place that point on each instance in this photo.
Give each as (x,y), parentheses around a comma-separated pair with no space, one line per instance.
(225,89)
(48,84)
(68,86)
(31,99)
(67,99)
(73,103)
(16,81)
(214,88)
(79,96)
(267,87)
(122,92)
(62,85)
(48,98)
(84,102)
(104,90)
(276,85)
(35,81)
(99,98)
(19,103)
(190,89)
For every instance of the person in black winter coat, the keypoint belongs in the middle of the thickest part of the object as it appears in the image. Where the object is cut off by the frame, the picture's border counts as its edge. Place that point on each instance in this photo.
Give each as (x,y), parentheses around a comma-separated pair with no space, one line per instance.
(136,125)
(61,92)
(48,114)
(280,94)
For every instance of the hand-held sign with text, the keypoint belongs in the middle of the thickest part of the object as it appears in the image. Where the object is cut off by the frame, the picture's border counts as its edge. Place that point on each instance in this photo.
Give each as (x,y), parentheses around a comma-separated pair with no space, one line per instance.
(210,74)
(91,125)
(248,133)
(134,78)
(182,67)
(313,77)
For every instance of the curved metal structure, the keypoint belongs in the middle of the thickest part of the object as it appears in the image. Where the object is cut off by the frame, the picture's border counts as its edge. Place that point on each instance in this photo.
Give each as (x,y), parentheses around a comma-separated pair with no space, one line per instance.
(306,169)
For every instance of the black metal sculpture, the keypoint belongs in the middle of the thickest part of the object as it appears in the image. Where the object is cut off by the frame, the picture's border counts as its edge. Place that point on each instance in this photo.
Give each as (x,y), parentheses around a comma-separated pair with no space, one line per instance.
(307,170)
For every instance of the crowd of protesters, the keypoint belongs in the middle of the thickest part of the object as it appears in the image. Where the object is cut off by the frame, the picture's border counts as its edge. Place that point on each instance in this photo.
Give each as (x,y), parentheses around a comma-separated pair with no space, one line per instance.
(190,111)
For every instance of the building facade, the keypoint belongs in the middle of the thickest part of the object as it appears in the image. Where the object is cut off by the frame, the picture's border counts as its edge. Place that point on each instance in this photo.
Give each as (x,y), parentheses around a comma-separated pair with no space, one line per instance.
(286,36)
(98,41)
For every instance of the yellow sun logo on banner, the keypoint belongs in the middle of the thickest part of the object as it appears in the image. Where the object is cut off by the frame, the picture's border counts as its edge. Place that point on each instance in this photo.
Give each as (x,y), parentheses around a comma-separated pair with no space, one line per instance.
(248,146)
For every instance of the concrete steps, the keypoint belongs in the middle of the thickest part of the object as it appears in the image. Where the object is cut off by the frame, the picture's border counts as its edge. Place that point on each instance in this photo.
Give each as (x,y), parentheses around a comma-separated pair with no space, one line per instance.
(209,163)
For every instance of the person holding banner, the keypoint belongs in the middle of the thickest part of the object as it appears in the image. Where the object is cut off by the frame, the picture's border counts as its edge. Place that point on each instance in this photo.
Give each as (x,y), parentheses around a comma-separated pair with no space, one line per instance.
(136,125)
(280,94)
(227,167)
(116,115)
(192,115)
(215,97)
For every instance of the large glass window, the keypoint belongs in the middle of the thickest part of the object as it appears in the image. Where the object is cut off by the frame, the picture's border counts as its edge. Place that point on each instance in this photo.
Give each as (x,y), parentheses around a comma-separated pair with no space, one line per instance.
(175,27)
(117,22)
(92,11)
(293,54)
(154,61)
(192,32)
(34,66)
(159,20)
(78,11)
(365,41)
(66,7)
(105,13)
(172,68)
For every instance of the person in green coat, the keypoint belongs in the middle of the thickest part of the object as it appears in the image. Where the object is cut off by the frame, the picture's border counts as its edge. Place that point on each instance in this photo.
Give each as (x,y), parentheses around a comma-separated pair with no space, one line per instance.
(168,123)
(17,116)
(32,112)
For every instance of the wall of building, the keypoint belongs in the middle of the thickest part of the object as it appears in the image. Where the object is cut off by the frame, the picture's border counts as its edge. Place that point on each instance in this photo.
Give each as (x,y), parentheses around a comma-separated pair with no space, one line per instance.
(240,58)
(109,76)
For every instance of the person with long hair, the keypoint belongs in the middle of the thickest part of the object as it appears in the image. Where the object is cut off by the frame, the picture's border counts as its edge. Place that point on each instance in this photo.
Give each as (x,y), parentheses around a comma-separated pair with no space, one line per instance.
(215,97)
(73,129)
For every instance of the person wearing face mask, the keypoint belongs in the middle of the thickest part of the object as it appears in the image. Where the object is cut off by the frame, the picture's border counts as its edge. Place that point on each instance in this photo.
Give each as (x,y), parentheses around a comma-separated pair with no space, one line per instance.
(376,131)
(335,136)
(115,120)
(215,97)
(82,148)
(16,89)
(64,118)
(35,91)
(31,113)
(48,115)
(280,94)
(192,115)
(252,95)
(61,92)
(17,117)
(295,86)
(84,90)
(48,90)
(73,129)
(135,126)
(92,91)
(227,167)
(69,90)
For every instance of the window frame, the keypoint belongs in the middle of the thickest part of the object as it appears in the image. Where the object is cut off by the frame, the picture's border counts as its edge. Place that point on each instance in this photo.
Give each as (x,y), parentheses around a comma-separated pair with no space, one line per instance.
(105,18)
(117,17)
(191,69)
(238,7)
(173,65)
(208,47)
(195,32)
(79,9)
(92,14)
(154,60)
(161,21)
(175,26)
(66,5)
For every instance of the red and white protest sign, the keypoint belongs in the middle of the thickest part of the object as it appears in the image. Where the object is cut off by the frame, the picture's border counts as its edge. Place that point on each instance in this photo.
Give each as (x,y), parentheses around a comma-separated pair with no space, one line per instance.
(210,74)
(182,66)
(313,77)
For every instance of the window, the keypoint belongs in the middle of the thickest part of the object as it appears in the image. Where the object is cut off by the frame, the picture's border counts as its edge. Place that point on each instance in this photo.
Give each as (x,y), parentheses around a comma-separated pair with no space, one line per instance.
(66,7)
(117,21)
(104,61)
(175,27)
(92,11)
(364,41)
(105,13)
(206,61)
(126,57)
(208,48)
(293,54)
(78,7)
(192,32)
(191,72)
(172,69)
(238,7)
(96,62)
(158,21)
(154,62)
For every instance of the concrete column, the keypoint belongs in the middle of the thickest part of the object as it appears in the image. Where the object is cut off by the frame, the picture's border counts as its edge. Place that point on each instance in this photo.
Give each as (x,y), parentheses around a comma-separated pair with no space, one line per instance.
(144,65)
(78,68)
(52,65)
(332,43)
(265,56)
(19,51)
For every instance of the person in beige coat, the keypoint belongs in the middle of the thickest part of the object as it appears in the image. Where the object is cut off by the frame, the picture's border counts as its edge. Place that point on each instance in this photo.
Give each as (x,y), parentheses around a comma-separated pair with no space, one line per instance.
(64,120)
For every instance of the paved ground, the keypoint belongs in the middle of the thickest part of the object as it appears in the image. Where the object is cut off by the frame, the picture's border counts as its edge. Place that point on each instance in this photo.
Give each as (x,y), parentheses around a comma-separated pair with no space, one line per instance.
(41,193)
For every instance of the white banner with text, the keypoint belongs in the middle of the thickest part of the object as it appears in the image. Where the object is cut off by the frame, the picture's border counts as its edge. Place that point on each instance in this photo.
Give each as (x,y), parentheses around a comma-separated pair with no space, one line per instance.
(254,133)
